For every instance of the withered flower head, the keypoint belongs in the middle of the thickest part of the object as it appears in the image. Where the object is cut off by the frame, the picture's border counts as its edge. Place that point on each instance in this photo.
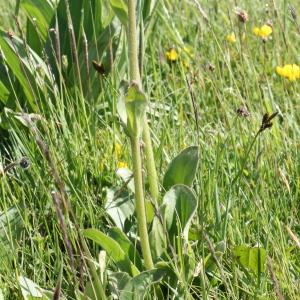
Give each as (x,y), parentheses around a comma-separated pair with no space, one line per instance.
(210,67)
(266,121)
(24,163)
(242,111)
(99,67)
(242,15)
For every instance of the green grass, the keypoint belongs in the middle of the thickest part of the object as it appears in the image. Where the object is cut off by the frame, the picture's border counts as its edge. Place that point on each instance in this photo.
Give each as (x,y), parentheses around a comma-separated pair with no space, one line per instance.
(82,138)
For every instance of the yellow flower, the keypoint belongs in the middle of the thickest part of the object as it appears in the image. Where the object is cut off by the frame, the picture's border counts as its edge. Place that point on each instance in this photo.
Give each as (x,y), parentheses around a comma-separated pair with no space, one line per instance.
(291,72)
(172,55)
(122,164)
(231,38)
(263,31)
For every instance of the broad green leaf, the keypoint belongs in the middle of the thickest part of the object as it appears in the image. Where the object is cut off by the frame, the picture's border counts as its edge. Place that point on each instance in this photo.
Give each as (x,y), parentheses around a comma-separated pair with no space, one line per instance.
(148,7)
(32,74)
(119,206)
(41,12)
(136,104)
(178,208)
(113,249)
(120,237)
(30,290)
(13,62)
(150,212)
(1,295)
(189,262)
(117,281)
(253,258)
(33,39)
(120,9)
(137,287)
(157,238)
(182,169)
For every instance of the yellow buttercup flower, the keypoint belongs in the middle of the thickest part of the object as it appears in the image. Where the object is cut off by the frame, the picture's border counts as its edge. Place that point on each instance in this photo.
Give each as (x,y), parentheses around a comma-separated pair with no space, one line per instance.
(231,38)
(122,164)
(172,55)
(263,31)
(291,72)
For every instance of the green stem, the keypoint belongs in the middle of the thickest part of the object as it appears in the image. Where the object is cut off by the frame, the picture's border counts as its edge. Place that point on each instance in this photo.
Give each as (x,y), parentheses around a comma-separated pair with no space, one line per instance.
(150,163)
(136,152)
(135,75)
(17,8)
(139,202)
(132,43)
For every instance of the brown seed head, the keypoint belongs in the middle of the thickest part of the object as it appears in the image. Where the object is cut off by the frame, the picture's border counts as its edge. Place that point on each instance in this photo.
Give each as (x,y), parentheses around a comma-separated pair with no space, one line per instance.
(242,111)
(242,15)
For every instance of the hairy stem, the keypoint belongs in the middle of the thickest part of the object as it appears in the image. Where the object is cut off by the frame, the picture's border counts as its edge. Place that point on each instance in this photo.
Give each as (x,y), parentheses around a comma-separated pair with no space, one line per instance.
(135,145)
(140,203)
(135,75)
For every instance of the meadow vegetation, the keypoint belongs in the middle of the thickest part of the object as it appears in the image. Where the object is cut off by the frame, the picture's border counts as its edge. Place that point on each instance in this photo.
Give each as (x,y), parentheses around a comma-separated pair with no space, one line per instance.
(149,149)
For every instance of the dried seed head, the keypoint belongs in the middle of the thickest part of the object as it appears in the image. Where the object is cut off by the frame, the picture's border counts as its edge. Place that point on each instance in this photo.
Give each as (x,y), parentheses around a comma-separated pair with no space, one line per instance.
(99,67)
(242,15)
(210,67)
(266,121)
(242,111)
(24,163)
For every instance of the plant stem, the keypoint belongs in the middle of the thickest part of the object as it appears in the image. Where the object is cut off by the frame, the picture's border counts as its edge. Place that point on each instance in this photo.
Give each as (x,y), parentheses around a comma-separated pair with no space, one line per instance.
(135,75)
(132,43)
(150,163)
(135,145)
(17,7)
(139,202)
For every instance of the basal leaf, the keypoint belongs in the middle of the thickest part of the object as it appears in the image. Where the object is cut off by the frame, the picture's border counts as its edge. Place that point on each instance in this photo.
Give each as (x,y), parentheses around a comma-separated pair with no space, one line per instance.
(119,206)
(120,237)
(117,281)
(120,9)
(252,258)
(137,287)
(178,208)
(113,249)
(182,169)
(157,238)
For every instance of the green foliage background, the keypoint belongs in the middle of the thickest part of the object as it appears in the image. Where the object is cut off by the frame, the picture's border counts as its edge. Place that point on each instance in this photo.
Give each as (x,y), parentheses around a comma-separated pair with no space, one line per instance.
(193,101)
